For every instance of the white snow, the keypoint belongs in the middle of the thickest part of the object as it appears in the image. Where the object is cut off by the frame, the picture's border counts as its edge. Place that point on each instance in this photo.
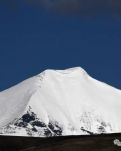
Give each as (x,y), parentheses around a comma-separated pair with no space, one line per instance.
(70,97)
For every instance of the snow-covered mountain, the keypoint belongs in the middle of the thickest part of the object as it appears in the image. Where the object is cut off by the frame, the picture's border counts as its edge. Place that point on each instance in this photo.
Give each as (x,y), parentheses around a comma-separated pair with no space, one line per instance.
(60,102)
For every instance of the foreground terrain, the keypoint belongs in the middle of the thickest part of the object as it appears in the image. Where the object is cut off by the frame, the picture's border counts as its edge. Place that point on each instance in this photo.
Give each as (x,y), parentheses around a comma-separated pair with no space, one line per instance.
(68,143)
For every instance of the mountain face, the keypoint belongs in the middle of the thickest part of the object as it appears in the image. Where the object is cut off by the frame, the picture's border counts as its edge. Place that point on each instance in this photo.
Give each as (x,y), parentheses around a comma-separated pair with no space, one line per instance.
(59,103)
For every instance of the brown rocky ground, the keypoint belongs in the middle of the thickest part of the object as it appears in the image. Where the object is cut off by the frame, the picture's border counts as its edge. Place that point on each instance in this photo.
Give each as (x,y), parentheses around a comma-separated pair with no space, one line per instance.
(69,143)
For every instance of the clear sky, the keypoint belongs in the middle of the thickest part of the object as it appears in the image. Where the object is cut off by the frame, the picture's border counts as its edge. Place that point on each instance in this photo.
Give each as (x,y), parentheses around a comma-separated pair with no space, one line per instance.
(33,39)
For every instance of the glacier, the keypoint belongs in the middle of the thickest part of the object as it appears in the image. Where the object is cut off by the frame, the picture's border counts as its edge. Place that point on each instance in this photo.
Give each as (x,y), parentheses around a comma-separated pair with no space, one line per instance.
(60,103)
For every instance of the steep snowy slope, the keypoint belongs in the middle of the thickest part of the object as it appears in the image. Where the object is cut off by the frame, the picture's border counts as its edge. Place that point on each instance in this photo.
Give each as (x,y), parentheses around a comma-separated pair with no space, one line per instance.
(60,102)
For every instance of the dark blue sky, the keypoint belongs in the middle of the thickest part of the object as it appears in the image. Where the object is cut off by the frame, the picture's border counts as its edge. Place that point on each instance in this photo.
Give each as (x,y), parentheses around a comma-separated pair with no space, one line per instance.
(32,40)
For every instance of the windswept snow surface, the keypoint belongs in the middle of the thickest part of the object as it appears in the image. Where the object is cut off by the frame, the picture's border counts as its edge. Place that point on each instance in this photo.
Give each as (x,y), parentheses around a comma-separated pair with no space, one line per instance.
(60,102)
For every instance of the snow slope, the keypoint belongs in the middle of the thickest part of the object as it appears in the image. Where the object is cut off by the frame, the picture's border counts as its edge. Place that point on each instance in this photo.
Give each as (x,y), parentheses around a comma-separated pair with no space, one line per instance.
(60,102)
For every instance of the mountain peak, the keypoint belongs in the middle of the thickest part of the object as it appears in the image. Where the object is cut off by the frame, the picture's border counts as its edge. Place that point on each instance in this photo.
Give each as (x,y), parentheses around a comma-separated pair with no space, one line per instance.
(68,98)
(66,72)
(72,70)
